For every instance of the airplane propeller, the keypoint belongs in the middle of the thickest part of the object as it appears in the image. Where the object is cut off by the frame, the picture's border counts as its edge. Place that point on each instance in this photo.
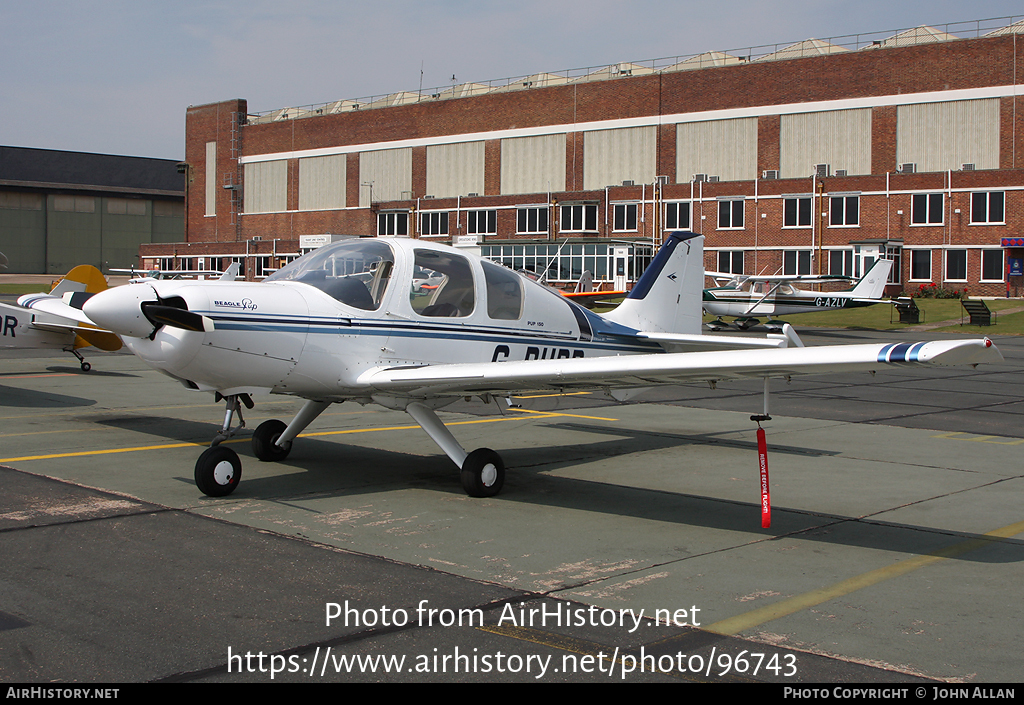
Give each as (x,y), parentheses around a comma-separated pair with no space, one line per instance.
(131,311)
(160,314)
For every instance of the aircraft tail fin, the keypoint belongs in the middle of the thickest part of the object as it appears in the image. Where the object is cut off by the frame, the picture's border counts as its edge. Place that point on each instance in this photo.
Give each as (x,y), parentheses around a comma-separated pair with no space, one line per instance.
(230,273)
(667,298)
(83,278)
(872,284)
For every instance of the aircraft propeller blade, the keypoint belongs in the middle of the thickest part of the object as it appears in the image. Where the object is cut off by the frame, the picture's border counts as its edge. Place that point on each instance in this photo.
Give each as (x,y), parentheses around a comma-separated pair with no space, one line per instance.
(159,315)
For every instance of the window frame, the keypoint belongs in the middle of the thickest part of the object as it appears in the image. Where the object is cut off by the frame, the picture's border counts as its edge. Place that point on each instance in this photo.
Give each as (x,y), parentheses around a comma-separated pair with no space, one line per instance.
(797,255)
(398,218)
(947,261)
(542,213)
(929,206)
(844,210)
(797,220)
(677,206)
(587,212)
(988,207)
(729,212)
(625,217)
(847,265)
(915,256)
(489,218)
(439,229)
(985,253)
(731,256)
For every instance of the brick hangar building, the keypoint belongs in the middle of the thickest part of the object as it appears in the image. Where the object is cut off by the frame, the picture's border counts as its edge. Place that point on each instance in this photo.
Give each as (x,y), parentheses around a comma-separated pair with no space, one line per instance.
(816,157)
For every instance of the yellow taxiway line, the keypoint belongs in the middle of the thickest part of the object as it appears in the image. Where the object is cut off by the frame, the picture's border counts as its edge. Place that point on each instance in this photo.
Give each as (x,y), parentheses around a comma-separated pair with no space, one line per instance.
(797,603)
(169,446)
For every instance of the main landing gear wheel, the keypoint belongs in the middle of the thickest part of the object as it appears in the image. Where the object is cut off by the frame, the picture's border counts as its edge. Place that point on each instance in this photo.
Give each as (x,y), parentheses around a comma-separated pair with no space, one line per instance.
(264,440)
(218,471)
(483,473)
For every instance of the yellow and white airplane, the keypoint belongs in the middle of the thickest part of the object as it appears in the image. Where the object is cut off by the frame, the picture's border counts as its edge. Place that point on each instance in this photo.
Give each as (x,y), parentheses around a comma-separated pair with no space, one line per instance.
(39,328)
(746,297)
(346,323)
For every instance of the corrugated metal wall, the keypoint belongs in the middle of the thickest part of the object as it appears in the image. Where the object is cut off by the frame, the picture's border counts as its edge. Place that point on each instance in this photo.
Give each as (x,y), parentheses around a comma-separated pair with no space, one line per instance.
(211,178)
(839,138)
(613,156)
(455,169)
(266,187)
(723,148)
(941,136)
(390,171)
(533,164)
(322,182)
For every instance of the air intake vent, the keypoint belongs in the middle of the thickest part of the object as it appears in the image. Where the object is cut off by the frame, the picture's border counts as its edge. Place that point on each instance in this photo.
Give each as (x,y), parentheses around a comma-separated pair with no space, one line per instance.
(908,168)
(966,167)
(770,174)
(700,177)
(840,172)
(822,170)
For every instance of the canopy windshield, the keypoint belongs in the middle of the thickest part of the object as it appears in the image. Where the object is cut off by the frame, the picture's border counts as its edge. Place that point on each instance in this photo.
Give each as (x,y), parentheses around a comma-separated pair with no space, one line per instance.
(356,272)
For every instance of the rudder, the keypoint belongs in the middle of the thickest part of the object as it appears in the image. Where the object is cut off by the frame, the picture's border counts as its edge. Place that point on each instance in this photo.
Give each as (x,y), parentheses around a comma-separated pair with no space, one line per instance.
(667,298)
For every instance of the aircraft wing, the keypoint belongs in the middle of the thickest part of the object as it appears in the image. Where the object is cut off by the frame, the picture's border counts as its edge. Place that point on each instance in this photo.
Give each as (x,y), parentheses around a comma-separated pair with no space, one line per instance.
(670,368)
(54,306)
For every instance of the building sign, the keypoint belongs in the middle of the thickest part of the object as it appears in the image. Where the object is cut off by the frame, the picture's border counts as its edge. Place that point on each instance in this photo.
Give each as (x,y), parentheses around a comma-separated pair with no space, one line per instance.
(311,242)
(1012,242)
(1015,266)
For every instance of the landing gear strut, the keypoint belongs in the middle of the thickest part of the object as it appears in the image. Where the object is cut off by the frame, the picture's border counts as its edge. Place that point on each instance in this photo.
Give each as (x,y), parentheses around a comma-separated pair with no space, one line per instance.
(482,471)
(219,470)
(85,365)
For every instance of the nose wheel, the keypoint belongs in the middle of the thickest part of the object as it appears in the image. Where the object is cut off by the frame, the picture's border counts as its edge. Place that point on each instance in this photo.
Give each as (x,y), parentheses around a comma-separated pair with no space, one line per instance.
(218,471)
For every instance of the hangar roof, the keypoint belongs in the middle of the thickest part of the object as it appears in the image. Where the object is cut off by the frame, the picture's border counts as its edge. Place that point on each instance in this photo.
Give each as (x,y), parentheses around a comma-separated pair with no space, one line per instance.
(83,171)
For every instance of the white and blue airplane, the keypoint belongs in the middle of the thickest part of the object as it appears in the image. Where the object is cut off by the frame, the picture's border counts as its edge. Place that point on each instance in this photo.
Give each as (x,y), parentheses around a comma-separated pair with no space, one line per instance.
(39,329)
(346,323)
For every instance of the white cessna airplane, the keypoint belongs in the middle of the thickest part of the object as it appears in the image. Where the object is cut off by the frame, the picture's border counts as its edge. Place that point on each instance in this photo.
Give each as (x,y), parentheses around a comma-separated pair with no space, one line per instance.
(345,323)
(747,296)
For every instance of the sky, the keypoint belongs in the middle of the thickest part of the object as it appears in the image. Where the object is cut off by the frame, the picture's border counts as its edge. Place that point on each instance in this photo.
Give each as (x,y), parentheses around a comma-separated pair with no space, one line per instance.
(115,77)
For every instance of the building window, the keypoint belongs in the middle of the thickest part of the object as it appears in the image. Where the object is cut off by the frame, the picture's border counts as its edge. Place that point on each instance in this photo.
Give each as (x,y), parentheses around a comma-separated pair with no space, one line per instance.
(956,265)
(844,211)
(730,261)
(624,217)
(730,214)
(578,219)
(992,265)
(987,208)
(434,223)
(393,223)
(796,262)
(796,212)
(926,209)
(532,221)
(921,265)
(482,222)
(74,204)
(677,216)
(840,263)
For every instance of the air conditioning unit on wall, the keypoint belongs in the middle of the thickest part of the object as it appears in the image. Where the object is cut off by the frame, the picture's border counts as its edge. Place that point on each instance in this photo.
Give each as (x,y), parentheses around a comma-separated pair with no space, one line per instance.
(822,170)
(770,174)
(908,168)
